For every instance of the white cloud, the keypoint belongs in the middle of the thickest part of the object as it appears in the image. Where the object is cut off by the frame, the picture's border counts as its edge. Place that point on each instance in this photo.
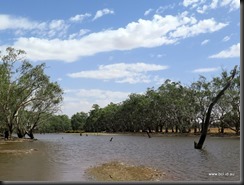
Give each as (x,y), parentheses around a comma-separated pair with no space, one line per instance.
(204,42)
(56,24)
(80,17)
(121,72)
(147,12)
(143,33)
(103,12)
(226,38)
(233,4)
(205,70)
(233,51)
(202,6)
(214,4)
(162,9)
(11,22)
(57,28)
(77,100)
(21,26)
(202,9)
(203,26)
(187,3)
(79,34)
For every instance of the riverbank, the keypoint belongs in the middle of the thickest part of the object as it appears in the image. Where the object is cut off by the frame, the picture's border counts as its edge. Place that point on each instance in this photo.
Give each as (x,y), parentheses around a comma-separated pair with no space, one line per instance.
(154,134)
(4,150)
(15,139)
(120,171)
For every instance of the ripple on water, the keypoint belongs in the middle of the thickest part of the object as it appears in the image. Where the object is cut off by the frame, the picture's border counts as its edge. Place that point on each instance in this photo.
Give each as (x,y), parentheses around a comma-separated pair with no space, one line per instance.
(67,156)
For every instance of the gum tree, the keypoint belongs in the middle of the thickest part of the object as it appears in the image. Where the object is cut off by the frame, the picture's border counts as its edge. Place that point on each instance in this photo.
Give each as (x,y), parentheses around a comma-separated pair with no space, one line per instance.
(208,115)
(26,93)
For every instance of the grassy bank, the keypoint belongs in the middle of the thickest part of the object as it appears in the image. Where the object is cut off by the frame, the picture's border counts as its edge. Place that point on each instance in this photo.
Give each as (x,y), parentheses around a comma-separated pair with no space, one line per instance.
(119,171)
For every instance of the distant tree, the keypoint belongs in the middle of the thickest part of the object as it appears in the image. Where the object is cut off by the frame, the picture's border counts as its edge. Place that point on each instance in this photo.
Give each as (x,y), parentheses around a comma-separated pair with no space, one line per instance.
(78,120)
(92,124)
(56,123)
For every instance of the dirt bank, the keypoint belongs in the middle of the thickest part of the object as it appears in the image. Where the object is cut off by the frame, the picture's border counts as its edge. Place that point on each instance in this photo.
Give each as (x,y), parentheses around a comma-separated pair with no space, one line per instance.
(4,150)
(119,171)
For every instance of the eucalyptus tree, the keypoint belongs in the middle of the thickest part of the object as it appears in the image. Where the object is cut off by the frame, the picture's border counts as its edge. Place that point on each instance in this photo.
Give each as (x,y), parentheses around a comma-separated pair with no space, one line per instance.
(156,108)
(108,117)
(175,101)
(228,108)
(127,114)
(211,106)
(202,97)
(92,124)
(42,106)
(78,120)
(56,123)
(26,93)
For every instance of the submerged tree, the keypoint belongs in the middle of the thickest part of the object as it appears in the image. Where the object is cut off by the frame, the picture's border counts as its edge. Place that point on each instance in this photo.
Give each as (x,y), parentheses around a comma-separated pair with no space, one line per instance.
(208,115)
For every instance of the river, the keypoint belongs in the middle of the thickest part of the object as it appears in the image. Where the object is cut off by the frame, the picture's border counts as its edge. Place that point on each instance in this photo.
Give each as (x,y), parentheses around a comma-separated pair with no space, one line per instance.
(65,157)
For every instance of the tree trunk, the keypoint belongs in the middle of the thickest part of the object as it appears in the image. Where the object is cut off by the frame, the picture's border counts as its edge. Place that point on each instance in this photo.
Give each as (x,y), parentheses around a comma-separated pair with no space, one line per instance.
(166,130)
(207,120)
(10,131)
(148,134)
(149,130)
(156,128)
(161,128)
(6,134)
(30,134)
(20,133)
(176,129)
(222,129)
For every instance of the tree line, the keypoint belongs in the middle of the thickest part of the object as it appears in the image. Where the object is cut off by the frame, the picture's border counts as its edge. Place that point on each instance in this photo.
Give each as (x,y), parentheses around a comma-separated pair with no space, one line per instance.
(173,107)
(29,102)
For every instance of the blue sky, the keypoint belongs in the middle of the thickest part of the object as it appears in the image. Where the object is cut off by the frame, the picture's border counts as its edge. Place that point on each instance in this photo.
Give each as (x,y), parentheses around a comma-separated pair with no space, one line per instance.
(100,51)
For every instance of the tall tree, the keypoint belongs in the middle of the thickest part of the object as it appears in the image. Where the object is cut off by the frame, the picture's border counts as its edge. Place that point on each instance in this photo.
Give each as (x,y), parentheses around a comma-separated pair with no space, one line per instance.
(78,120)
(26,93)
(208,115)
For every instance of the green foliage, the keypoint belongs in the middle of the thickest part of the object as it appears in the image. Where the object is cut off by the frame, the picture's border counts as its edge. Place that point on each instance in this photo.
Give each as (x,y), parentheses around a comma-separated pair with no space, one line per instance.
(171,106)
(78,121)
(56,123)
(27,96)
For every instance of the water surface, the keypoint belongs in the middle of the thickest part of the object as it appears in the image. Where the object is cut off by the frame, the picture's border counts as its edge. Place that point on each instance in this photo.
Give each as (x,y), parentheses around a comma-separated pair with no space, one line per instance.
(65,157)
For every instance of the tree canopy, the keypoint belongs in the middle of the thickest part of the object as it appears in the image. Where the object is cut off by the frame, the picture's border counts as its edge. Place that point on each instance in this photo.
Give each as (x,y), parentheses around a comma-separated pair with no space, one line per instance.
(172,106)
(27,96)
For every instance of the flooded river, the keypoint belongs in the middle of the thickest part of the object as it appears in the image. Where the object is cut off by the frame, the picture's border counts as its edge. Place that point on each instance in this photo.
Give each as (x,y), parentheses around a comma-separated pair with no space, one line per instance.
(65,157)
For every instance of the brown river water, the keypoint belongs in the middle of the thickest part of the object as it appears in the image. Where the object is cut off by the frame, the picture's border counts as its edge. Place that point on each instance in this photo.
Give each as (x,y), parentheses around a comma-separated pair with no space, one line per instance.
(65,157)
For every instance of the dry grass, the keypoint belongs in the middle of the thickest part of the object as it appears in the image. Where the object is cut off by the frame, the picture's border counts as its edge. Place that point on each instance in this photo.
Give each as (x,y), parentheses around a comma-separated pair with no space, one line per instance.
(118,171)
(226,130)
(211,130)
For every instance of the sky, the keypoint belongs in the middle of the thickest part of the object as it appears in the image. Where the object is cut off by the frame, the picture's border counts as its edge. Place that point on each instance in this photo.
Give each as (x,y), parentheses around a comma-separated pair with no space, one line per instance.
(100,51)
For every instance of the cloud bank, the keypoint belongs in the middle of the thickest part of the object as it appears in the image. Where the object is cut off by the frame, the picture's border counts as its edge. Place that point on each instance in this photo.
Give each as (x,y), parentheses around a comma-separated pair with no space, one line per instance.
(159,31)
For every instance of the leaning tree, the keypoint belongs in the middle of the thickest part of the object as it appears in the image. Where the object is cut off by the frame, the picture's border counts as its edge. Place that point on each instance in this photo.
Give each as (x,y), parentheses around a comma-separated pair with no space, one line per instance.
(208,115)
(26,93)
